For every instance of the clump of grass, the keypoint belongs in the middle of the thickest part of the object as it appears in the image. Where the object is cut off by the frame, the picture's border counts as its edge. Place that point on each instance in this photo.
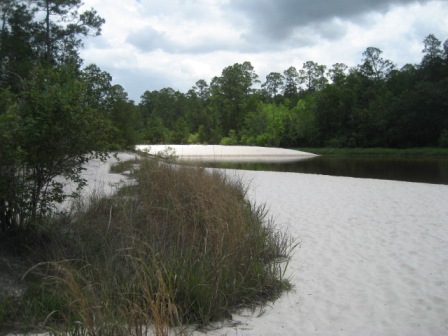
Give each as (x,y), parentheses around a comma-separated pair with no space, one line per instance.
(181,246)
(125,166)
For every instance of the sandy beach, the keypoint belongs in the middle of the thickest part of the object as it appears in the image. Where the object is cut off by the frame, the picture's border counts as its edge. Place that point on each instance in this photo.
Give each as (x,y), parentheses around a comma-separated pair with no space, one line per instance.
(372,260)
(226,153)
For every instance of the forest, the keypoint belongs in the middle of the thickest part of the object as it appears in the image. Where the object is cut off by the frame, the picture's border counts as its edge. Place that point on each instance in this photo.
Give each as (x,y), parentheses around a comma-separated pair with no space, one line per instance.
(373,104)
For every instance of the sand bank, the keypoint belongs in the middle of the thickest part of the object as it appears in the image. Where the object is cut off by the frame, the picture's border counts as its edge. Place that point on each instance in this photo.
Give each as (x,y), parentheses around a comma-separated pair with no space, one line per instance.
(373,257)
(227,153)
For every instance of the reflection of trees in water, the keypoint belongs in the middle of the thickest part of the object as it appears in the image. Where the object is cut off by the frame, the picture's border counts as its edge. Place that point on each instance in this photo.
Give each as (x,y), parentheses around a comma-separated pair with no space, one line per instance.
(427,170)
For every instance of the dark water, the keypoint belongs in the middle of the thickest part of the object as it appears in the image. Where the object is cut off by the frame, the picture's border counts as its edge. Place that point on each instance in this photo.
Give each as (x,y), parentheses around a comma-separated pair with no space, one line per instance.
(426,170)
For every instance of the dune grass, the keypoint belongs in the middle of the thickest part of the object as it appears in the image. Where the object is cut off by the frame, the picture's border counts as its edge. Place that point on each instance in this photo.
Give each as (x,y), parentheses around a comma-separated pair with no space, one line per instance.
(182,246)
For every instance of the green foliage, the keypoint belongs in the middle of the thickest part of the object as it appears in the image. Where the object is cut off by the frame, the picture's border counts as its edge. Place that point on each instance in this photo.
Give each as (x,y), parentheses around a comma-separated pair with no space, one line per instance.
(193,138)
(180,132)
(154,131)
(43,32)
(125,119)
(53,116)
(301,123)
(112,101)
(232,139)
(290,88)
(371,105)
(51,132)
(312,75)
(374,66)
(265,126)
(232,95)
(274,82)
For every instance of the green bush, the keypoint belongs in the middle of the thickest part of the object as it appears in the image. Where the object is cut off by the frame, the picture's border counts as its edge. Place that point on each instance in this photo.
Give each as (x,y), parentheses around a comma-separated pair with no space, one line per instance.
(193,138)
(231,140)
(48,133)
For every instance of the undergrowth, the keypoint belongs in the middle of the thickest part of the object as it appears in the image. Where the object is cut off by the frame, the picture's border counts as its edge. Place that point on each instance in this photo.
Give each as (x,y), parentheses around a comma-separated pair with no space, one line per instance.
(181,246)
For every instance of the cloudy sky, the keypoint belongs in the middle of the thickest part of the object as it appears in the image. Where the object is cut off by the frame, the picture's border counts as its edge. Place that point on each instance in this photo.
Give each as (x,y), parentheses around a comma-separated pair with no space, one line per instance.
(153,44)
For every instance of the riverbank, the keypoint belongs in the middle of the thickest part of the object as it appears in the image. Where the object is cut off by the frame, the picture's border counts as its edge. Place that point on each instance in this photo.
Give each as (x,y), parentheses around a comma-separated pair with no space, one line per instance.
(372,257)
(225,153)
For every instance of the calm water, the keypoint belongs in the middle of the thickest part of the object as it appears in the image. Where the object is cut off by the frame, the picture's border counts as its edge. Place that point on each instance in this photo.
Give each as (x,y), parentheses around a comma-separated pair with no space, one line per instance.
(427,170)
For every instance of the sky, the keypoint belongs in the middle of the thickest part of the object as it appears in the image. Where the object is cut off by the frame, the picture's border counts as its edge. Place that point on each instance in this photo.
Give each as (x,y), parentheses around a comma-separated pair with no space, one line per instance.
(155,44)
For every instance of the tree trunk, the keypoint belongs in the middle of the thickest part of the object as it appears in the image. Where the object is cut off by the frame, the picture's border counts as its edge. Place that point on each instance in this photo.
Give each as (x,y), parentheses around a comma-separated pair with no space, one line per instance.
(48,55)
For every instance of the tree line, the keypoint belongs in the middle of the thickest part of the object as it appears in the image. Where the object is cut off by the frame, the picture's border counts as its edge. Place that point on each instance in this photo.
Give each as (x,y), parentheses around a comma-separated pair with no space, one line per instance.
(373,104)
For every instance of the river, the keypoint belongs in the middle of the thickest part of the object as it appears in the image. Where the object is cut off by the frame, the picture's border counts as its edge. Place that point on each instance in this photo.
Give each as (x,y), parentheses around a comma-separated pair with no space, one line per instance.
(411,169)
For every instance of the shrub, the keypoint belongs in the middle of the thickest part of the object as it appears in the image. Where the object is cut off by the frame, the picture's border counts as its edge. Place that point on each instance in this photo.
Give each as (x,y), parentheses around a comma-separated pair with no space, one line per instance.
(232,139)
(193,138)
(49,133)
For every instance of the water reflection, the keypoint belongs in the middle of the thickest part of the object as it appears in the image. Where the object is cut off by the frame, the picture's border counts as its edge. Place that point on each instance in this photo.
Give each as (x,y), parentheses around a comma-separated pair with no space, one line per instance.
(427,170)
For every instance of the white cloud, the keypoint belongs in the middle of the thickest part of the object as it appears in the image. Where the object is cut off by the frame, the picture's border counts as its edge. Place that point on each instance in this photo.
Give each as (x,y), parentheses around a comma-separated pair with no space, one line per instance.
(148,44)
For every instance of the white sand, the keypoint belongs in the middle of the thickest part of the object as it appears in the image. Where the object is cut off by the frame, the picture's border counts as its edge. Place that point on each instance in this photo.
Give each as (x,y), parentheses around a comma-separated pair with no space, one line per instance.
(99,178)
(373,258)
(226,153)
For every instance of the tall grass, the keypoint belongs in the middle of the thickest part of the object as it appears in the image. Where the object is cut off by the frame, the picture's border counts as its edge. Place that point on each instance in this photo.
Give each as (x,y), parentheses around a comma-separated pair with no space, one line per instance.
(181,246)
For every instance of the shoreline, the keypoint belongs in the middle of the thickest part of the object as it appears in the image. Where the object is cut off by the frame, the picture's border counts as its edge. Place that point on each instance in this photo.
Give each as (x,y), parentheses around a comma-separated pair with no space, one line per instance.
(225,153)
(372,257)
